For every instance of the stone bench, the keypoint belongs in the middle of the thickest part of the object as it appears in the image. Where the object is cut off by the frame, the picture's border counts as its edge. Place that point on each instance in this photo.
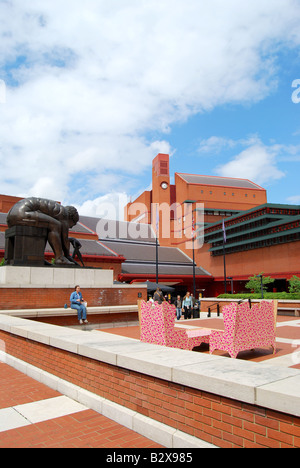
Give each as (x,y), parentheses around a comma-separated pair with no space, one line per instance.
(62,312)
(291,311)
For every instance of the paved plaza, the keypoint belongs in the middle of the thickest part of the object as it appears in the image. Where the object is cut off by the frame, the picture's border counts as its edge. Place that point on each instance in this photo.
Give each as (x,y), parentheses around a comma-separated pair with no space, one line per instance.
(287,340)
(32,415)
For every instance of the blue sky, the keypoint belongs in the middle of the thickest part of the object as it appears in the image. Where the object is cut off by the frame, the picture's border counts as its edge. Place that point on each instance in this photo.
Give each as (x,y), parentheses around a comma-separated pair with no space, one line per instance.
(95,89)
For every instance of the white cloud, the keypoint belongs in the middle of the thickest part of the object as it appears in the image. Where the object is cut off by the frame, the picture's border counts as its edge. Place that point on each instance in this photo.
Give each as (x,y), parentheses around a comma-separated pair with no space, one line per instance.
(257,163)
(109,206)
(215,145)
(86,81)
(294,200)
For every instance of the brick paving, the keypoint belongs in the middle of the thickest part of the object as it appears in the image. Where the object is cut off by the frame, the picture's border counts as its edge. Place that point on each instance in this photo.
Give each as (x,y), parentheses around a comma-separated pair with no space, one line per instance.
(287,338)
(82,429)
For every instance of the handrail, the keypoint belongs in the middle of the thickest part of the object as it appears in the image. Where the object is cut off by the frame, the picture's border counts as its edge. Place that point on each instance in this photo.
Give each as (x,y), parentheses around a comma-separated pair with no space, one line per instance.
(218,309)
(244,300)
(218,306)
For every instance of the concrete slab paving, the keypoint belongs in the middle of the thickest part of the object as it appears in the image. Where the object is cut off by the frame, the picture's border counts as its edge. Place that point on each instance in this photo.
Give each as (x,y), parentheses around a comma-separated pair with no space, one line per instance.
(43,410)
(11,419)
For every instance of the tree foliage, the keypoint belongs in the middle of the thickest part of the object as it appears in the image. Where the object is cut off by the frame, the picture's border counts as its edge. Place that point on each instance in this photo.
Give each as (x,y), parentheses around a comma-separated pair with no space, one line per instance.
(294,284)
(254,283)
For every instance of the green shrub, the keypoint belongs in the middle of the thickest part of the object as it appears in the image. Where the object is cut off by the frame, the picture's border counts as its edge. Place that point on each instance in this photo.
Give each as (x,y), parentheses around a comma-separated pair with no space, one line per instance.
(294,285)
(254,283)
(268,295)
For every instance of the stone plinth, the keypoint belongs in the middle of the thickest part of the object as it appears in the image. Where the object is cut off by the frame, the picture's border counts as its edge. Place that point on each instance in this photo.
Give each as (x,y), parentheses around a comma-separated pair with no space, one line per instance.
(25,245)
(48,276)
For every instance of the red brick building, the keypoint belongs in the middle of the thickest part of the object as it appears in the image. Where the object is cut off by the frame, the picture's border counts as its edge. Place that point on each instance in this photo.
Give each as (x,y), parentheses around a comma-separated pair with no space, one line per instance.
(260,237)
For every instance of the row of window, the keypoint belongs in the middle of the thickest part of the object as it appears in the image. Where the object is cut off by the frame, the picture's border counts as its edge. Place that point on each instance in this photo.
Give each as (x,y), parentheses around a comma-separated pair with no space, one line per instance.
(239,220)
(254,234)
(232,194)
(258,245)
(283,211)
(240,229)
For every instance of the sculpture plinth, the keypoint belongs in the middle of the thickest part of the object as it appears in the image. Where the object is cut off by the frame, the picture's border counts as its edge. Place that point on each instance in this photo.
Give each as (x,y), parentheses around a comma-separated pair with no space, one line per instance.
(25,245)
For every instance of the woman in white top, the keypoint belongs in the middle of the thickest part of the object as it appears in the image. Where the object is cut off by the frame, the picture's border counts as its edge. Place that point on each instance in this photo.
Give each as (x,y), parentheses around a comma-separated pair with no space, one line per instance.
(187,305)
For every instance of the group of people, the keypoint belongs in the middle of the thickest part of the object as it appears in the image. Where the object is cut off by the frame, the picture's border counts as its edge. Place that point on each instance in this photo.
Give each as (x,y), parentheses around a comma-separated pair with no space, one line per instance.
(184,306)
(187,306)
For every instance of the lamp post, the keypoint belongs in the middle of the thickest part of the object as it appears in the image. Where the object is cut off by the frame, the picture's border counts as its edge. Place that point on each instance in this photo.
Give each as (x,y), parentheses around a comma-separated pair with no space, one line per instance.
(156,242)
(194,276)
(231,279)
(261,285)
(224,254)
(190,202)
(156,260)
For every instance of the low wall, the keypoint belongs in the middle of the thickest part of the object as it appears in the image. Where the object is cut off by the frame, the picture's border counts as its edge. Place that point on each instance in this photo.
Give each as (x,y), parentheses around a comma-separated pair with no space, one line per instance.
(102,317)
(39,298)
(47,287)
(222,401)
(283,305)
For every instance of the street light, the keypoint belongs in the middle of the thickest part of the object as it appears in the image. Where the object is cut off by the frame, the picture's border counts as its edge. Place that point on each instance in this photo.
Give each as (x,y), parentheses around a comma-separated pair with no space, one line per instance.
(231,279)
(190,202)
(261,285)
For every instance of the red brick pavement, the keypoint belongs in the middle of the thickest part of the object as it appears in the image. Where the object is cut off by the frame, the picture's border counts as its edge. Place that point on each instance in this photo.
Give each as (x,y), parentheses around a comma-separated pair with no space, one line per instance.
(85,429)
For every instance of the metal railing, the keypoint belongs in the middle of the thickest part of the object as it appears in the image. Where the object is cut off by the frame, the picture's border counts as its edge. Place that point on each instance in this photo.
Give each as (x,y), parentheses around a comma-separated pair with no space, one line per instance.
(210,309)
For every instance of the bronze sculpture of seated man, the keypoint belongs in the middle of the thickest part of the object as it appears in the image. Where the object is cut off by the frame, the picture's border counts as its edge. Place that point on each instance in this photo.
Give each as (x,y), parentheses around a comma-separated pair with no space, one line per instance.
(43,213)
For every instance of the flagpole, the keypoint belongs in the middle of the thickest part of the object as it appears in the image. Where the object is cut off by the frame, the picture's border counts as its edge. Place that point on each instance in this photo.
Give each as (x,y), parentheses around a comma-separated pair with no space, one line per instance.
(156,260)
(224,256)
(194,278)
(224,261)
(156,246)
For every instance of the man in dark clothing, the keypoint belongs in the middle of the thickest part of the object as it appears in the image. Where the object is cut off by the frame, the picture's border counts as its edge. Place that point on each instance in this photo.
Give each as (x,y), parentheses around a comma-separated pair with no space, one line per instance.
(158,296)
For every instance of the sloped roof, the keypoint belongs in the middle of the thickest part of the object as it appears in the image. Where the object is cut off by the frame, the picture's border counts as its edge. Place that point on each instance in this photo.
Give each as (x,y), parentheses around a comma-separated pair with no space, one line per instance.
(2,240)
(219,181)
(163,269)
(3,218)
(90,247)
(112,229)
(147,252)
